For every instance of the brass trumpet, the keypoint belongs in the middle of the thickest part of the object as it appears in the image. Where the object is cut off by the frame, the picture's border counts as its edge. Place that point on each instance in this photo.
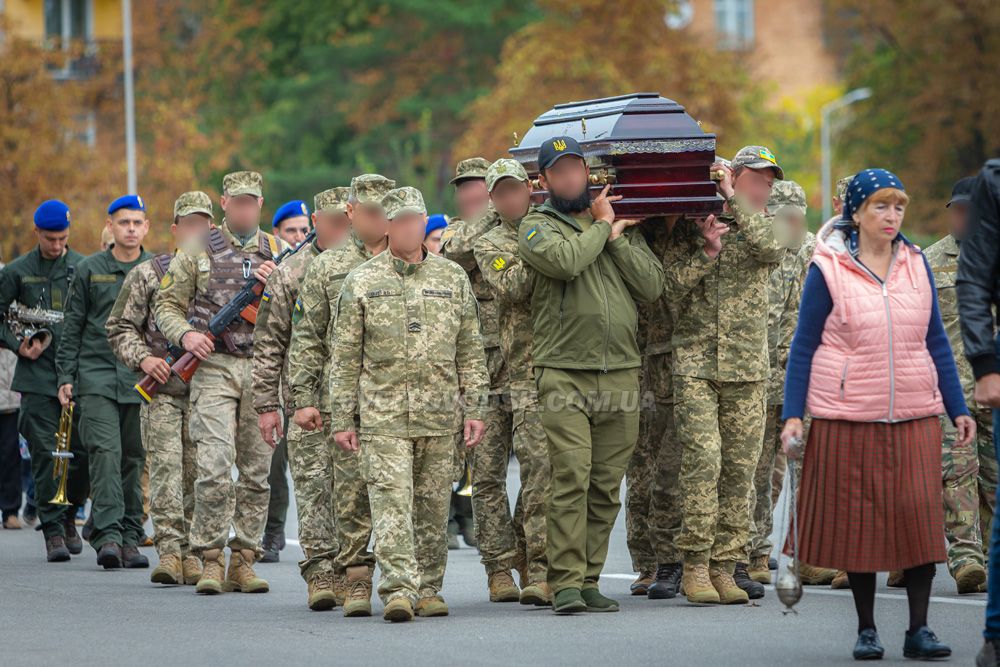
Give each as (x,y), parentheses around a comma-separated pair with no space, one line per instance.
(62,455)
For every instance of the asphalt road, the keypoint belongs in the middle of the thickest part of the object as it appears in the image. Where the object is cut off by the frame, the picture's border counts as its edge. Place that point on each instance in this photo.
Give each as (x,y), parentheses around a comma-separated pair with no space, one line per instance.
(77,614)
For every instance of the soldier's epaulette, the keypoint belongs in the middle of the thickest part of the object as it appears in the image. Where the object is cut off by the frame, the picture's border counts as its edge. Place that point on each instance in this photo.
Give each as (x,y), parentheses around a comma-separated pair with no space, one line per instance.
(267,245)
(217,241)
(160,264)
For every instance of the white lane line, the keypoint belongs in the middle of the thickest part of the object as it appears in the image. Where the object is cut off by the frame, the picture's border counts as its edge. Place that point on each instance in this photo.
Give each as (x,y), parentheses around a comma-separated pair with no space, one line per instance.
(810,590)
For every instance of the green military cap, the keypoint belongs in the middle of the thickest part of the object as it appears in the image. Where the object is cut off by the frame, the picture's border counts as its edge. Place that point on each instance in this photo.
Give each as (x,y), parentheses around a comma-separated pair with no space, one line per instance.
(403,200)
(757,157)
(787,193)
(334,200)
(503,168)
(243,183)
(195,201)
(474,167)
(842,187)
(370,187)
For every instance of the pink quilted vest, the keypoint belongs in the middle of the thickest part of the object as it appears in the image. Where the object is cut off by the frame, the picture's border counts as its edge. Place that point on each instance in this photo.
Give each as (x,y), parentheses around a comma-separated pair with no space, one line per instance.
(873,363)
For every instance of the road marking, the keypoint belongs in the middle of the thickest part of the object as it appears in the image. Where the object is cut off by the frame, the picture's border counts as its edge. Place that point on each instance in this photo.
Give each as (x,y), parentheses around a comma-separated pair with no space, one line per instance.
(968,602)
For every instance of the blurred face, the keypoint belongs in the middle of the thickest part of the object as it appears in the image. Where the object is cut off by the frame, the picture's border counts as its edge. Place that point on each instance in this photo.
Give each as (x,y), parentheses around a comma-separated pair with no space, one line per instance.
(293,230)
(189,227)
(567,181)
(790,225)
(958,213)
(838,205)
(406,233)
(433,241)
(242,212)
(52,245)
(880,219)
(471,198)
(128,228)
(754,186)
(368,221)
(511,198)
(331,228)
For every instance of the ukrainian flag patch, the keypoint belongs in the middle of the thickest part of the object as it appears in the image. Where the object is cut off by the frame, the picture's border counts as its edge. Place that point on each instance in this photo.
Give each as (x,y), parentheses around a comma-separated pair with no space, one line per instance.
(266,297)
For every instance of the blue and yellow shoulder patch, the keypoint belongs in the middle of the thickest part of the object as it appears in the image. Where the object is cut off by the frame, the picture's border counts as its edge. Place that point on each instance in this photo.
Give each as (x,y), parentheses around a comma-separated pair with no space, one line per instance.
(266,296)
(297,311)
(166,281)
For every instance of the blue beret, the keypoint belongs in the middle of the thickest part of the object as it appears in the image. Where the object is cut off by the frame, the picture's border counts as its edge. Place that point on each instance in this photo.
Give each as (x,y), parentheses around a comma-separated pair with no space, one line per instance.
(866,183)
(436,221)
(52,216)
(291,209)
(131,202)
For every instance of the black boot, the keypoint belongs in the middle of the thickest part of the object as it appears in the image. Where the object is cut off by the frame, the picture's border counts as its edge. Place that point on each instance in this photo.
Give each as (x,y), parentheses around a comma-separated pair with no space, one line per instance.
(55,549)
(271,545)
(73,541)
(109,556)
(868,646)
(132,559)
(989,654)
(668,582)
(754,589)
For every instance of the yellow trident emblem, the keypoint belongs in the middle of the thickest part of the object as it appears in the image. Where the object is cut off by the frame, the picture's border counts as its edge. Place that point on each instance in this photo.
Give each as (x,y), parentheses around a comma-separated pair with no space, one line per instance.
(559,145)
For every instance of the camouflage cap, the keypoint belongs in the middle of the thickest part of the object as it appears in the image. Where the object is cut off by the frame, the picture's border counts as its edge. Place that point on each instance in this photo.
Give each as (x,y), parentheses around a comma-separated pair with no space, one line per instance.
(195,201)
(474,167)
(403,200)
(334,199)
(787,193)
(370,187)
(757,157)
(503,168)
(243,183)
(842,187)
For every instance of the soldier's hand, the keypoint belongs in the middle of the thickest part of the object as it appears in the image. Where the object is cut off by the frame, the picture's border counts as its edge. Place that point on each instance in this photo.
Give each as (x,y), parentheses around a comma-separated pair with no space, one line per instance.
(474,429)
(269,424)
(156,368)
(725,183)
(198,344)
(619,226)
(308,419)
(66,395)
(988,390)
(966,426)
(712,231)
(346,440)
(601,207)
(264,270)
(30,349)
(793,429)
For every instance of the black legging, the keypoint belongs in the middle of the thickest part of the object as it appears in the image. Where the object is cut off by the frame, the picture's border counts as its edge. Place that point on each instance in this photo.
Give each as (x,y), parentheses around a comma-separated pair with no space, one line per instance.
(918,595)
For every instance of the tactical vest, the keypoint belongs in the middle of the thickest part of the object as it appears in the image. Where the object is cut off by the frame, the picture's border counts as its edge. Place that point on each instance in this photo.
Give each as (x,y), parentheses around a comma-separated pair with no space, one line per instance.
(230,268)
(156,341)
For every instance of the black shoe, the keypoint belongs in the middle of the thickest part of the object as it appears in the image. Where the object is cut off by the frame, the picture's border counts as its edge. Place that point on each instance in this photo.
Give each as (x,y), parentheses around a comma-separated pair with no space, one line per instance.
(772,563)
(109,556)
(668,582)
(88,527)
(989,654)
(271,549)
(55,549)
(753,589)
(132,559)
(868,646)
(469,535)
(281,541)
(73,541)
(924,645)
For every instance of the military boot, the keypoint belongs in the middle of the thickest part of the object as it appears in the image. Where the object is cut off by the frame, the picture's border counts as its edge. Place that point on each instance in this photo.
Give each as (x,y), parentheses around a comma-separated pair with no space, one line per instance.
(340,588)
(213,573)
(642,583)
(729,591)
(169,571)
(397,610)
(697,584)
(55,549)
(359,592)
(667,583)
(132,559)
(321,595)
(538,593)
(816,576)
(431,606)
(241,578)
(840,580)
(754,589)
(970,577)
(897,579)
(759,570)
(192,569)
(502,587)
(73,541)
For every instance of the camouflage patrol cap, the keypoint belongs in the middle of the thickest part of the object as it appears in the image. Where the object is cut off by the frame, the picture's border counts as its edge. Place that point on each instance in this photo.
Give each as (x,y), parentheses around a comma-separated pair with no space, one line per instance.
(195,201)
(757,157)
(243,183)
(503,168)
(403,200)
(370,187)
(474,167)
(842,187)
(787,193)
(333,200)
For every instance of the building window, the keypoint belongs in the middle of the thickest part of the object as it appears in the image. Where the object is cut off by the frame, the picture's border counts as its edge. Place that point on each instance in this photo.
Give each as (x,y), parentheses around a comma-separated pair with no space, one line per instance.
(67,20)
(734,21)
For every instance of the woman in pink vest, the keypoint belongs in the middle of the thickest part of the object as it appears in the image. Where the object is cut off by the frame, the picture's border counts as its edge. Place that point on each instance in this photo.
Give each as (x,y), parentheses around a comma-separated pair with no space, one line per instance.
(871,363)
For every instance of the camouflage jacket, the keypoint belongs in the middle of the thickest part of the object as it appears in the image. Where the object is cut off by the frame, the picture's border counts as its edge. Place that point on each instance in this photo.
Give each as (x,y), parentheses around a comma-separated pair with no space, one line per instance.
(720,324)
(408,348)
(273,332)
(129,319)
(783,298)
(943,260)
(511,279)
(459,241)
(309,350)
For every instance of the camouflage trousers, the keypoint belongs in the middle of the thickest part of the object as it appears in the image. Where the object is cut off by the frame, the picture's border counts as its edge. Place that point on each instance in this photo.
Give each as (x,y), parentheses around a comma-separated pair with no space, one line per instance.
(351,511)
(720,426)
(223,425)
(409,486)
(172,461)
(762,492)
(310,460)
(970,481)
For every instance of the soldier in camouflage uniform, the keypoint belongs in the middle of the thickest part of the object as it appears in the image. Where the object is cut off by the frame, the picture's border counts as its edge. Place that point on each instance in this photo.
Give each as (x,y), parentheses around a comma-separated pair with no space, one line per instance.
(970,473)
(407,351)
(170,451)
(223,424)
(272,336)
(501,266)
(329,470)
(720,382)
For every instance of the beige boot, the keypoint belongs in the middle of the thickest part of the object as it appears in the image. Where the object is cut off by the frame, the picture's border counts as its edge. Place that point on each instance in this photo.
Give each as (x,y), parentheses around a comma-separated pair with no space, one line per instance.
(538,593)
(241,578)
(897,579)
(213,573)
(502,587)
(398,610)
(758,570)
(321,595)
(816,576)
(359,592)
(192,569)
(169,571)
(697,584)
(431,606)
(729,592)
(969,578)
(340,588)
(840,580)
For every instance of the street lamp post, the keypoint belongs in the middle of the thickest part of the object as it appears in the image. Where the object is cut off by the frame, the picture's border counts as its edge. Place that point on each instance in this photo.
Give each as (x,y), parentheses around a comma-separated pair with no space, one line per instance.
(129,95)
(850,98)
